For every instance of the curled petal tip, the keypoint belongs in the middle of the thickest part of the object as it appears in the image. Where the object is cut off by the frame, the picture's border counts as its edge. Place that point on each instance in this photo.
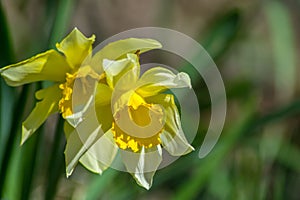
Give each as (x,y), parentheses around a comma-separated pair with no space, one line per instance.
(184,78)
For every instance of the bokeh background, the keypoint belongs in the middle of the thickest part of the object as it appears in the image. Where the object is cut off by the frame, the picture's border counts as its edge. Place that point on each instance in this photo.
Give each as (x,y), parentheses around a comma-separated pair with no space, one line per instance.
(255,45)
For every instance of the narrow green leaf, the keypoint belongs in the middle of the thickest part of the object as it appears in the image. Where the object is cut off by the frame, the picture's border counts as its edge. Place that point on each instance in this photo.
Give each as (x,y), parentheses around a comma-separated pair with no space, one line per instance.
(15,124)
(63,15)
(222,33)
(284,49)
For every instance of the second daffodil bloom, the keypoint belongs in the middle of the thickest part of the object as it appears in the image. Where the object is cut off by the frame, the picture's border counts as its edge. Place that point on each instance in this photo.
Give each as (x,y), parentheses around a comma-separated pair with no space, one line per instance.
(137,119)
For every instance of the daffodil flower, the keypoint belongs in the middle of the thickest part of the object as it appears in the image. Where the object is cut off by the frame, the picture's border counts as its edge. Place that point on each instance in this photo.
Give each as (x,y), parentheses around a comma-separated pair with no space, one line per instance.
(71,62)
(137,120)
(130,113)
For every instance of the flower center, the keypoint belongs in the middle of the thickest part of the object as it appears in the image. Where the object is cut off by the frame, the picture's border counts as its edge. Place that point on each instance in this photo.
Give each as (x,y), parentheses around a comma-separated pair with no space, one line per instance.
(142,128)
(65,103)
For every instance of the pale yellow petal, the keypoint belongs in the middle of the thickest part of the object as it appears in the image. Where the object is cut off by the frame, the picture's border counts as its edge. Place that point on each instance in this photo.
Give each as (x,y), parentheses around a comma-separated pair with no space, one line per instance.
(79,141)
(173,138)
(76,47)
(50,66)
(103,106)
(68,129)
(126,70)
(48,105)
(143,165)
(103,95)
(104,116)
(158,79)
(117,49)
(100,156)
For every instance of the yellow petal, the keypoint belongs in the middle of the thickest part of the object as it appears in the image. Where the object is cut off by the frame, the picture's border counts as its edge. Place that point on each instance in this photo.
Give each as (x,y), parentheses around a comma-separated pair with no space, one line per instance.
(49,65)
(158,79)
(143,165)
(100,156)
(103,106)
(68,129)
(104,116)
(173,138)
(97,106)
(76,47)
(103,95)
(119,48)
(48,105)
(127,70)
(79,141)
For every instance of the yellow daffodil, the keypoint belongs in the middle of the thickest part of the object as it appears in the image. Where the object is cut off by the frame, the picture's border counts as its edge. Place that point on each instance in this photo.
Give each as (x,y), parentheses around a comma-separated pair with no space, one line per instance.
(137,120)
(71,62)
(108,106)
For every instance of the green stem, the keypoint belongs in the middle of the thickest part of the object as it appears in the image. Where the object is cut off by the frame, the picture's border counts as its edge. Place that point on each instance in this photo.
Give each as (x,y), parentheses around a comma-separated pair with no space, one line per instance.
(56,164)
(15,123)
(29,156)
(30,153)
(55,167)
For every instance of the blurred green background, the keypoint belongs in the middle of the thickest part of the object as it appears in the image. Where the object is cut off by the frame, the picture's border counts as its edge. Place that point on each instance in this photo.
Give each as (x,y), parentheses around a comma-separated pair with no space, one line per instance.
(255,44)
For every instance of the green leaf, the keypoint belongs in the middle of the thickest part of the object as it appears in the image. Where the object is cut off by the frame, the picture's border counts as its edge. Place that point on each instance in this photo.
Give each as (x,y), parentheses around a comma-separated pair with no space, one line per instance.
(6,51)
(284,49)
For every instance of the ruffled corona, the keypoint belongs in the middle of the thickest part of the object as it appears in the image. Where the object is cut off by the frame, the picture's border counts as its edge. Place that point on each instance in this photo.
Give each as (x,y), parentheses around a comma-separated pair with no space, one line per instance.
(136,132)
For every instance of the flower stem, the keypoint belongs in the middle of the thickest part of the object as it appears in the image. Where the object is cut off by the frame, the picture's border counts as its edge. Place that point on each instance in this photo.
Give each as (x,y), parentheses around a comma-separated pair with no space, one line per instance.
(29,156)
(55,166)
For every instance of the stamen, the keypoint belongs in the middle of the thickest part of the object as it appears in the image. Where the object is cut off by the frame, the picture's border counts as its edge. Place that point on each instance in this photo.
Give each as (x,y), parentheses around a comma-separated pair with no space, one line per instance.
(65,103)
(134,143)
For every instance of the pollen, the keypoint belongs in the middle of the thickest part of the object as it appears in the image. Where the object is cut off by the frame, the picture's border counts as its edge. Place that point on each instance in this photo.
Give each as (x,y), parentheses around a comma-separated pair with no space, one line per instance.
(65,103)
(126,141)
(83,73)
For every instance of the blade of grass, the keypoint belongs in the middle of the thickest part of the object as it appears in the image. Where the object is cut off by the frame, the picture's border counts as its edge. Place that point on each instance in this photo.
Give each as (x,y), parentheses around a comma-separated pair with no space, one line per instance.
(6,56)
(63,13)
(219,37)
(222,33)
(13,184)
